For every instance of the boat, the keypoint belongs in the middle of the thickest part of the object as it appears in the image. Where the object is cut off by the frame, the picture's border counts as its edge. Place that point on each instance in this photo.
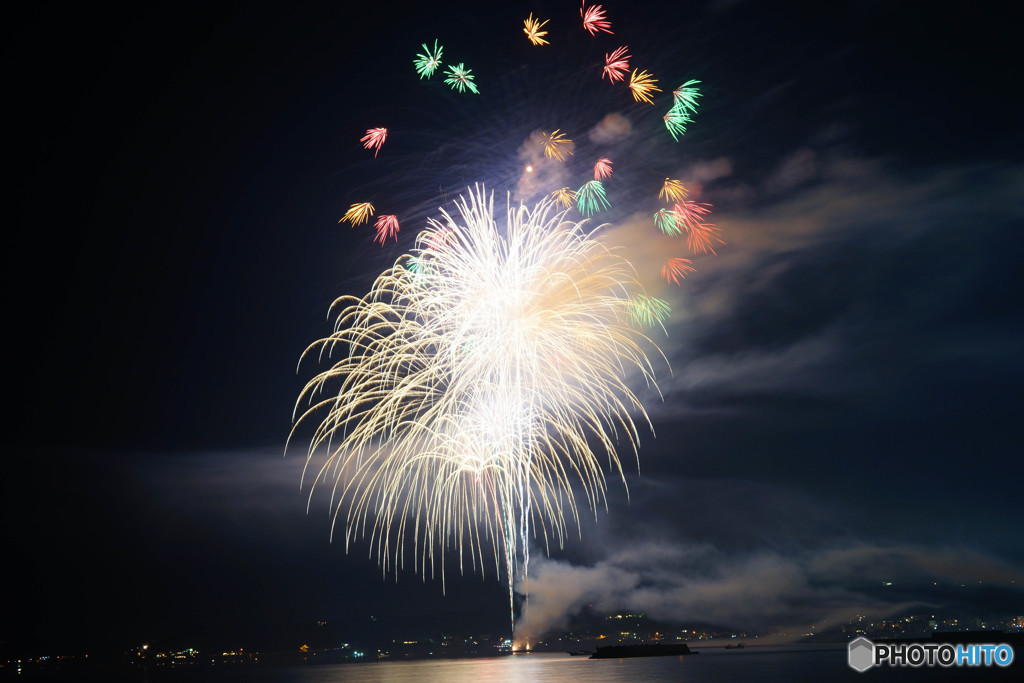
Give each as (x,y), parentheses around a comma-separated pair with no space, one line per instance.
(737,646)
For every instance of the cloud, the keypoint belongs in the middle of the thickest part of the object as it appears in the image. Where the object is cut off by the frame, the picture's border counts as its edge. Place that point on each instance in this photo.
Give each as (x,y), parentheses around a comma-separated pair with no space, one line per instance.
(751,554)
(830,263)
(796,169)
(541,175)
(611,129)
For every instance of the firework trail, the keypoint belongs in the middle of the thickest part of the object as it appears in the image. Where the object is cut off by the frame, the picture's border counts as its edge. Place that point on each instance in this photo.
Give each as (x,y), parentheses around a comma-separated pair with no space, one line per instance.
(602,168)
(472,386)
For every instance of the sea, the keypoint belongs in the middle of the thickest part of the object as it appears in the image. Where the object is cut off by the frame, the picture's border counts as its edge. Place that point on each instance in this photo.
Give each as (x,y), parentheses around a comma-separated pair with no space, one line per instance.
(803,662)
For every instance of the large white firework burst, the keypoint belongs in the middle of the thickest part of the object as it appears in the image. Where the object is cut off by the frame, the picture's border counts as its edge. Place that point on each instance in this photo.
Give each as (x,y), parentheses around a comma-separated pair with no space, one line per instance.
(478,389)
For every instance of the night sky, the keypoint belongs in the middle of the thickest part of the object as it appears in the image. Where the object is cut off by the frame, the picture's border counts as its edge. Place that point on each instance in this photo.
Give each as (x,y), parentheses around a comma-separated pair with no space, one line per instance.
(844,402)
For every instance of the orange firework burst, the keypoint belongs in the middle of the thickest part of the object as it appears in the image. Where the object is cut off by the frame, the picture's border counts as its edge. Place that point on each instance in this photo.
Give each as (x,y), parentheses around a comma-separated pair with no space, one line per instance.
(616,64)
(700,236)
(556,145)
(358,214)
(672,191)
(642,84)
(532,28)
(675,269)
(602,169)
(564,196)
(386,226)
(374,138)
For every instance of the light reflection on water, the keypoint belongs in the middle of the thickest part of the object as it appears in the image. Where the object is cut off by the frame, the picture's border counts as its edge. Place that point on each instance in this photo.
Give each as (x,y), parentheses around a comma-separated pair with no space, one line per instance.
(755,663)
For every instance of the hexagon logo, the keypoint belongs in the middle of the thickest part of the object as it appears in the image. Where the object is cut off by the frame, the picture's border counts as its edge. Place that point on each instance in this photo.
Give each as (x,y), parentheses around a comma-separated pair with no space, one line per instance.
(861,654)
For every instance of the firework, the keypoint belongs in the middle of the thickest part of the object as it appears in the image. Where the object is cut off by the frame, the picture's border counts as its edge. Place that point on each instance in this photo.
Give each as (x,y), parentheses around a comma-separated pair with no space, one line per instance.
(594,19)
(672,191)
(684,98)
(675,121)
(590,198)
(460,78)
(700,235)
(564,197)
(666,222)
(616,64)
(374,138)
(386,226)
(684,105)
(602,169)
(689,214)
(440,239)
(642,84)
(648,311)
(358,214)
(466,400)
(675,269)
(532,28)
(428,62)
(556,145)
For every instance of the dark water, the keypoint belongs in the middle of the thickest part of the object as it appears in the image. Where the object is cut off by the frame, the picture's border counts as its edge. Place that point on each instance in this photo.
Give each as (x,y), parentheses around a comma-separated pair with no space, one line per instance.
(754,663)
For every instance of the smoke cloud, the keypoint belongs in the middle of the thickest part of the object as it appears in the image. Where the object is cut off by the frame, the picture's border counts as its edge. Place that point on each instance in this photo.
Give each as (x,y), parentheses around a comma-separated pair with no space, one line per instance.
(769,590)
